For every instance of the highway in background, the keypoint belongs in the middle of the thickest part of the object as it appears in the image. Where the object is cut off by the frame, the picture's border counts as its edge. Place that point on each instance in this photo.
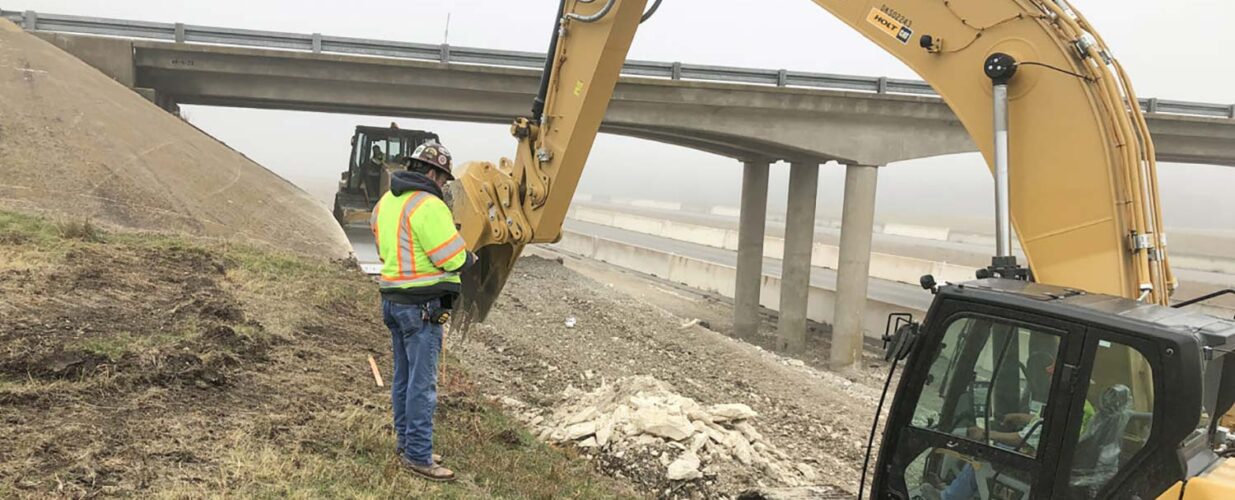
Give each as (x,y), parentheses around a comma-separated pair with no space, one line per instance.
(972,252)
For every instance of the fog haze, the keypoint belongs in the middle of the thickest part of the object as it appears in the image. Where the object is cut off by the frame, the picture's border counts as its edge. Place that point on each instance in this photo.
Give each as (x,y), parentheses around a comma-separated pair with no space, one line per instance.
(1159,43)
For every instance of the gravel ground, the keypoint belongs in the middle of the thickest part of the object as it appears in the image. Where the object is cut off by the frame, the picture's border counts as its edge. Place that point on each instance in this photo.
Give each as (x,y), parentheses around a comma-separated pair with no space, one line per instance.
(527,352)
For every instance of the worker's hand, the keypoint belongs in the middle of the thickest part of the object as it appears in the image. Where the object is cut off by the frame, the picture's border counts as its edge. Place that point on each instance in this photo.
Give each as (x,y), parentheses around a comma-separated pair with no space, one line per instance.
(976,433)
(1017,420)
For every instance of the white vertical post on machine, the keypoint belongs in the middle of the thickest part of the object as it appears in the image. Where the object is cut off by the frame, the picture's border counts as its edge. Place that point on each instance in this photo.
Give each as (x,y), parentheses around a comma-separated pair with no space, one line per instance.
(1000,68)
(1003,218)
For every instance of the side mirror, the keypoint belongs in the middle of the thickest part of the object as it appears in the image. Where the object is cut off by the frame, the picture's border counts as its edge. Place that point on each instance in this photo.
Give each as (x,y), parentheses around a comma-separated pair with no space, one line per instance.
(899,336)
(901,343)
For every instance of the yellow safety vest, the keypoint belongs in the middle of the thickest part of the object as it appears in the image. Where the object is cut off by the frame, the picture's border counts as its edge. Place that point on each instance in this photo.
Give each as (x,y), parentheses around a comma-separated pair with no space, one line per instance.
(417,241)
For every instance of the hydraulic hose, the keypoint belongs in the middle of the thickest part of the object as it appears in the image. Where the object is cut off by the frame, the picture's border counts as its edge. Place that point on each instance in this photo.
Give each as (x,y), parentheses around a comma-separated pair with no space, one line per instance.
(652,11)
(600,14)
(1139,171)
(538,104)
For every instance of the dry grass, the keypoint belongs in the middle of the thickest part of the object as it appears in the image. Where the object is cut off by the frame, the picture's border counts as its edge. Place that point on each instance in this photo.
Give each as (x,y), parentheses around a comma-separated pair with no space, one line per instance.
(186,369)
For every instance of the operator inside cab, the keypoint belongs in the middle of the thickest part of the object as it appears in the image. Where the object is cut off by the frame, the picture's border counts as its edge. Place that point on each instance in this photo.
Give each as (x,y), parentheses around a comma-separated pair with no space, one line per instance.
(994,388)
(422,257)
(378,157)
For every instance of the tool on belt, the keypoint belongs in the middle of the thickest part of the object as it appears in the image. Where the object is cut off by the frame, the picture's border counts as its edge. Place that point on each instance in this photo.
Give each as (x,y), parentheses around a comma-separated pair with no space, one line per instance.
(438,311)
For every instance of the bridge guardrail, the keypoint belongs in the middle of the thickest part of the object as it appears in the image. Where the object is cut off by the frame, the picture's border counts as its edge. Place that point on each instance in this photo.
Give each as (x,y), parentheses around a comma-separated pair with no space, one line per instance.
(318,43)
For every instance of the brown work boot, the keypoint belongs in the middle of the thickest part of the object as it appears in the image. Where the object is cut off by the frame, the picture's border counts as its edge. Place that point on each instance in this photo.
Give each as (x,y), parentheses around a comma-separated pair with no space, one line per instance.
(437,459)
(434,472)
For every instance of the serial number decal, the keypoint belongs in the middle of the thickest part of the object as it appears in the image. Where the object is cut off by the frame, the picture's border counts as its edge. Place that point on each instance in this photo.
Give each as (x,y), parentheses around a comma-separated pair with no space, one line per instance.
(896,15)
(888,23)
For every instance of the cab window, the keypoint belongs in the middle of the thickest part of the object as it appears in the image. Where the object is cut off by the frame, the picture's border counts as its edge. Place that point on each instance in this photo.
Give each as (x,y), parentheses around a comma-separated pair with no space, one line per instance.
(988,384)
(1116,417)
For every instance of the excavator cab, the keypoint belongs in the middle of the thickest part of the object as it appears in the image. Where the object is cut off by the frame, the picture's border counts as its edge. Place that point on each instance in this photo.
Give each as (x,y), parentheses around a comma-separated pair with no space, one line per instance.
(1016,390)
(376,151)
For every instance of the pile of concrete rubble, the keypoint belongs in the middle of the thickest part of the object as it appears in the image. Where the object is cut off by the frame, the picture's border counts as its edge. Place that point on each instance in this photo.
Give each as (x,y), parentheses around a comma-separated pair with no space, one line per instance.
(638,413)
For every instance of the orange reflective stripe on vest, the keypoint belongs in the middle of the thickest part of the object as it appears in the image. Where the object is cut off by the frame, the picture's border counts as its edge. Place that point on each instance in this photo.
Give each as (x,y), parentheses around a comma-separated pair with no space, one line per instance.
(447,250)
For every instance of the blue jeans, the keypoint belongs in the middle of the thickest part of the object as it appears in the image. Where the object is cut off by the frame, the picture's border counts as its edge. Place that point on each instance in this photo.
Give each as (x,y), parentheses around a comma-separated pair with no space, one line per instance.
(965,485)
(415,344)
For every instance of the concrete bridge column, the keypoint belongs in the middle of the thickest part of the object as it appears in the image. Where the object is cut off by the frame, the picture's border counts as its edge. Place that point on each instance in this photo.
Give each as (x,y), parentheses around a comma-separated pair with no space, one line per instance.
(853,274)
(795,267)
(752,223)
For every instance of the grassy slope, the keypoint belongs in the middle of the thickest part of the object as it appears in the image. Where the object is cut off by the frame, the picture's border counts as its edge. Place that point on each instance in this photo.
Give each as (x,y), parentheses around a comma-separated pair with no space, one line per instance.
(177,368)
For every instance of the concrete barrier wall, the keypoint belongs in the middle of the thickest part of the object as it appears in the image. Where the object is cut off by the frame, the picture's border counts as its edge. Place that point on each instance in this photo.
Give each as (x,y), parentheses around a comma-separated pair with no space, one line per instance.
(912,231)
(717,278)
(883,266)
(657,205)
(1211,264)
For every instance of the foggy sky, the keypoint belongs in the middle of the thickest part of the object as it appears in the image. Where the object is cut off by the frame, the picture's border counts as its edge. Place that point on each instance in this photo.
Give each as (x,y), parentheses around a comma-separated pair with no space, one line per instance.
(1158,42)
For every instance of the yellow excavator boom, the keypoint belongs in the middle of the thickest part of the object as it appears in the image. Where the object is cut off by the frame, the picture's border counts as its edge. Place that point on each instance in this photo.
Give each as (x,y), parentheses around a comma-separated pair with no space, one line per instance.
(1083,185)
(1083,199)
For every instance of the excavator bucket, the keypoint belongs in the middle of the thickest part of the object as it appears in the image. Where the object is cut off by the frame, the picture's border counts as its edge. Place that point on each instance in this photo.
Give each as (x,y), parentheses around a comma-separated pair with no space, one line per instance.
(483,283)
(478,223)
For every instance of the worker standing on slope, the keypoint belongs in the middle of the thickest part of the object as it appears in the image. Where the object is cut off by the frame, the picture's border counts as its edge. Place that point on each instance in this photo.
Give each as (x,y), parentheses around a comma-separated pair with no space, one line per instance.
(422,255)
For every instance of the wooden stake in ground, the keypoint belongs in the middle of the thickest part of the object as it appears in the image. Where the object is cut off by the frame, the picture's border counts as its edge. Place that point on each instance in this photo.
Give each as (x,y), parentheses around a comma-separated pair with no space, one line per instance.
(441,359)
(377,374)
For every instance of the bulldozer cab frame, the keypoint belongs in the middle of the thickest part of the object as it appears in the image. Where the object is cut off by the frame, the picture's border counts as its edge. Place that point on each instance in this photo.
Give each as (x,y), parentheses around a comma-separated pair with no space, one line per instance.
(375,151)
(1018,390)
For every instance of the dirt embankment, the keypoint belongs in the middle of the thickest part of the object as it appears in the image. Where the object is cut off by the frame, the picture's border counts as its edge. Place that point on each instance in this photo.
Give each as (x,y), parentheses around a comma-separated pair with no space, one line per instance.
(154,366)
(75,143)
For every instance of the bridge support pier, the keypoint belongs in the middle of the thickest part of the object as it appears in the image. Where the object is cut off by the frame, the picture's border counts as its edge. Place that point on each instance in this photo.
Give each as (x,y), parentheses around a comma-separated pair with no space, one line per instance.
(795,266)
(752,224)
(853,275)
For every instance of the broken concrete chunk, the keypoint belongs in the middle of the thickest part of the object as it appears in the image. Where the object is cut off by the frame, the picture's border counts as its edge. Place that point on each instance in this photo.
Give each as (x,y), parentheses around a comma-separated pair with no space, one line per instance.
(658,422)
(604,430)
(731,411)
(698,442)
(749,431)
(685,468)
(580,431)
(582,416)
(736,442)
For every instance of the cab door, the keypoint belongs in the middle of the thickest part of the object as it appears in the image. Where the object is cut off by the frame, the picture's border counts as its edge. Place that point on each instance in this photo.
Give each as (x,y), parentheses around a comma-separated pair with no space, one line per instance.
(981,411)
(1115,402)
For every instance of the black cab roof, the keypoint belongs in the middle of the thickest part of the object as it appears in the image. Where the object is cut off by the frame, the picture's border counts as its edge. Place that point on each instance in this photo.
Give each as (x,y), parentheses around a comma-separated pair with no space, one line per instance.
(1212,331)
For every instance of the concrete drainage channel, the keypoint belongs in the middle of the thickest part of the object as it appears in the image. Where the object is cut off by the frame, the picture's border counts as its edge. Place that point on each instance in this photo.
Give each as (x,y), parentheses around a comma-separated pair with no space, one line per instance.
(720,279)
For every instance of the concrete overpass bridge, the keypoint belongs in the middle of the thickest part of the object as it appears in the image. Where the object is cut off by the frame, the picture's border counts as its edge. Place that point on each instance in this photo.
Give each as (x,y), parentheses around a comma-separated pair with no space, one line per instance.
(756,116)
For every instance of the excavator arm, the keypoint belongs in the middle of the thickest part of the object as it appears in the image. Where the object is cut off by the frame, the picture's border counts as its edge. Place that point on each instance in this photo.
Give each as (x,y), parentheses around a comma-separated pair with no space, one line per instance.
(502,208)
(1083,183)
